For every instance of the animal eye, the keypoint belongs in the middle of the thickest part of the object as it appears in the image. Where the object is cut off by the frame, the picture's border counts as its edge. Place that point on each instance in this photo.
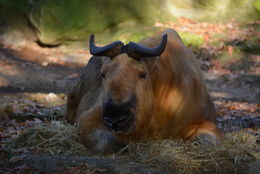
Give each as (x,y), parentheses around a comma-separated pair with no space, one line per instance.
(142,75)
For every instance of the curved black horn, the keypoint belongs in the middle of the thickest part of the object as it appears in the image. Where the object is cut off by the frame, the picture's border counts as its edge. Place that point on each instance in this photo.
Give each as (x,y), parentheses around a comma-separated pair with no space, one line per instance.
(137,51)
(110,50)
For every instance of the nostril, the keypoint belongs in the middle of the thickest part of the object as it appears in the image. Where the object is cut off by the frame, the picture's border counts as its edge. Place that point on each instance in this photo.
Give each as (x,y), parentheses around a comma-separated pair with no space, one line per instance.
(108,123)
(106,118)
(114,121)
(123,118)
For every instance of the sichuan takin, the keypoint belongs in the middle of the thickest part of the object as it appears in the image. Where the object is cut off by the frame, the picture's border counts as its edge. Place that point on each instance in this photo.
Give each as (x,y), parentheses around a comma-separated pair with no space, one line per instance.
(151,89)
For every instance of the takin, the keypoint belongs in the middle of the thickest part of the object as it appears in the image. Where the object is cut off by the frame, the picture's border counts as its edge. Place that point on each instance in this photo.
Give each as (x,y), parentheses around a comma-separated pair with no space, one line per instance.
(153,89)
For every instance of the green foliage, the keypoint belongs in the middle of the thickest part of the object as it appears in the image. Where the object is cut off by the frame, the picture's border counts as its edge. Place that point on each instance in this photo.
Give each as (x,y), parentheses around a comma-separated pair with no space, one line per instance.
(21,6)
(225,57)
(131,31)
(126,32)
(196,40)
(257,5)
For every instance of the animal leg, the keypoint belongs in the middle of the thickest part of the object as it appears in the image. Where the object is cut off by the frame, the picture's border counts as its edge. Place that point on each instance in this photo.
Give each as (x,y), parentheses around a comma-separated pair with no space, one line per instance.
(96,137)
(72,103)
(208,134)
(208,139)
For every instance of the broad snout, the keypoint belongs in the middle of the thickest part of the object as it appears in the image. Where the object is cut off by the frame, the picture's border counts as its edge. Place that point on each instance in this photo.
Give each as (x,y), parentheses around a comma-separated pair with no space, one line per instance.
(119,117)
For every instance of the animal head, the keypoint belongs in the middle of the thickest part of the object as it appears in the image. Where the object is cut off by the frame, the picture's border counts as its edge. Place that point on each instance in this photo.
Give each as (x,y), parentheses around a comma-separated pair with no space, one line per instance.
(125,82)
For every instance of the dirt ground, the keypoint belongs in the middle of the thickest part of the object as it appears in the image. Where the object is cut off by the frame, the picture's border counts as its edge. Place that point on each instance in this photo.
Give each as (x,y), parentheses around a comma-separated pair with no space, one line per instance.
(36,80)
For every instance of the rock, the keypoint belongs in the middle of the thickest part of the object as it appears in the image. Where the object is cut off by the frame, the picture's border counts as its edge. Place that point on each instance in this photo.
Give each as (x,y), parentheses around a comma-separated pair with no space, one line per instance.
(58,22)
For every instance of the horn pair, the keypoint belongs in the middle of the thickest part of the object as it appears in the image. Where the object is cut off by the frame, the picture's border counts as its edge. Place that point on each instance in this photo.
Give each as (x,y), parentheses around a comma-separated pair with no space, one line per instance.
(132,49)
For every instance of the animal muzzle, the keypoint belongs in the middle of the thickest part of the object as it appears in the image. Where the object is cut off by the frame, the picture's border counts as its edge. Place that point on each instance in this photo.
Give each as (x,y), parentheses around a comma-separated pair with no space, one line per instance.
(119,118)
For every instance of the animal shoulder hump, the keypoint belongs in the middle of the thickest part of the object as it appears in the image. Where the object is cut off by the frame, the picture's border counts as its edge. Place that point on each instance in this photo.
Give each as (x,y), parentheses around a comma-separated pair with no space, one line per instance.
(172,34)
(92,70)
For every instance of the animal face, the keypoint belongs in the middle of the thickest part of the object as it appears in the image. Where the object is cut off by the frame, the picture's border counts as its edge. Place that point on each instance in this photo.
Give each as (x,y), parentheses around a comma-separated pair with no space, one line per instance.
(124,82)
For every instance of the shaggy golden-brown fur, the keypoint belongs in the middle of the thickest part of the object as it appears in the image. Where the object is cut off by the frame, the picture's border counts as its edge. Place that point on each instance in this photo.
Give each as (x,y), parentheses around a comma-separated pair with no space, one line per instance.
(172,101)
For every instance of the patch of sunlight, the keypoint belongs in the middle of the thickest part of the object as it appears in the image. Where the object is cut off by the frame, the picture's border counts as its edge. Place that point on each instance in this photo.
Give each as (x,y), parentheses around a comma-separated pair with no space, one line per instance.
(183,11)
(4,82)
(217,10)
(188,39)
(49,99)
(13,37)
(126,32)
(220,94)
(11,70)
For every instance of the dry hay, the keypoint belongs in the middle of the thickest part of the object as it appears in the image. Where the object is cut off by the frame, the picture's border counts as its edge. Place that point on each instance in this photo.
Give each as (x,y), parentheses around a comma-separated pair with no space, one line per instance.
(54,137)
(237,154)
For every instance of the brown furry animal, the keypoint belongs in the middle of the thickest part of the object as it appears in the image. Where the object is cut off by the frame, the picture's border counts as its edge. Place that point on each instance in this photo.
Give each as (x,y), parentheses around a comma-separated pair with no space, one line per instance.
(128,93)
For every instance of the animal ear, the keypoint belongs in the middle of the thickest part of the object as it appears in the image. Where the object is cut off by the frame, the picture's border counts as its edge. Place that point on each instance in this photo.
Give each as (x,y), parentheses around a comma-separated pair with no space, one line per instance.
(110,50)
(138,51)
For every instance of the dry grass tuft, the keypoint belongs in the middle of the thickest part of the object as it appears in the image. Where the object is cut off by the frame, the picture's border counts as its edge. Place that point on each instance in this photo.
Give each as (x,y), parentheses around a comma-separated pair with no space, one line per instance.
(54,137)
(237,154)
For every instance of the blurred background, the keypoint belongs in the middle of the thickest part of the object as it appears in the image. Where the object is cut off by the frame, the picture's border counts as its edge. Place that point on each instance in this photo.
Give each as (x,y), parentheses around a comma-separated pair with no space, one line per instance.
(56,23)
